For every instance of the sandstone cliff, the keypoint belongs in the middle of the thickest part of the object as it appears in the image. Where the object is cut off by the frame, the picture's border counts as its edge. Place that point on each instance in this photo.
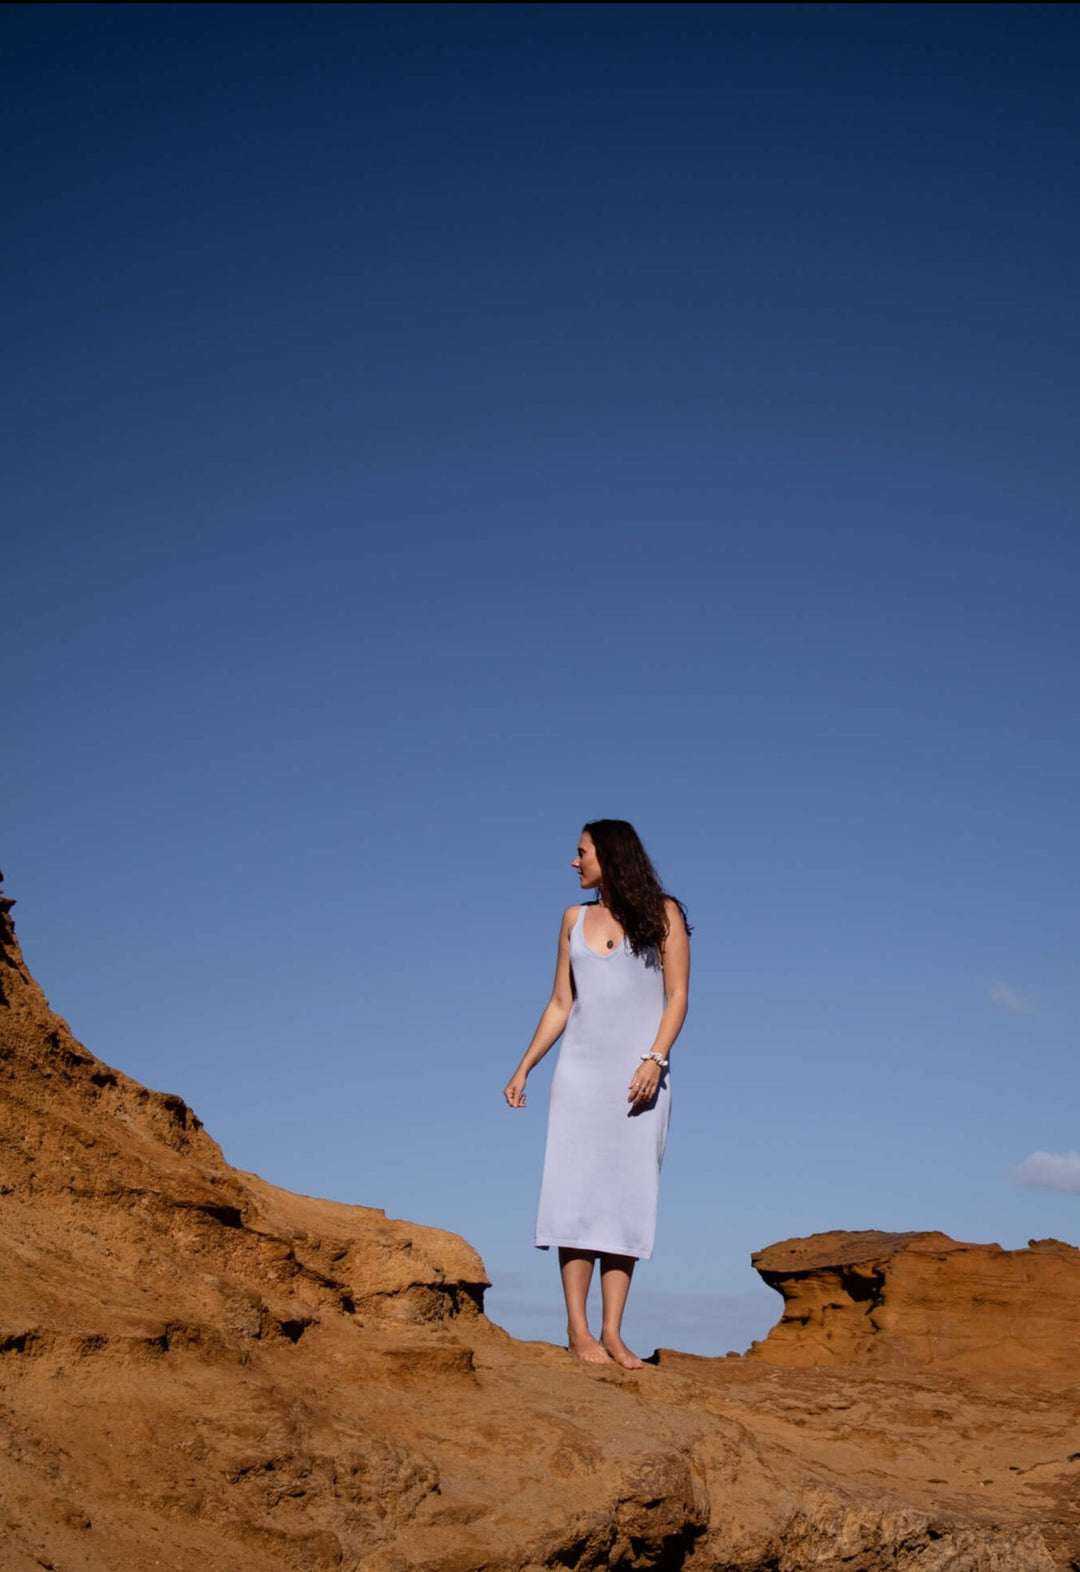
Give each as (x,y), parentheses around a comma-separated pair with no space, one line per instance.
(199,1371)
(924,1301)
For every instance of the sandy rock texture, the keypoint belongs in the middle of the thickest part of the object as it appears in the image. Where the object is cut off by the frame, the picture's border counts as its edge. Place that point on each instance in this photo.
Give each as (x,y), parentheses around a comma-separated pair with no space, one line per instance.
(201,1373)
(924,1301)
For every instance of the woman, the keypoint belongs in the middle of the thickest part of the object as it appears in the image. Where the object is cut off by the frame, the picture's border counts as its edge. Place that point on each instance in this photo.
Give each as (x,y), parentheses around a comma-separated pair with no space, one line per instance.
(620,995)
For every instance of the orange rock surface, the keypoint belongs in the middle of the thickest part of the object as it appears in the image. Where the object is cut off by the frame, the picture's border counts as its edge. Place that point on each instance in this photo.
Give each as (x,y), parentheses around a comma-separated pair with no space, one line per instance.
(923,1301)
(201,1373)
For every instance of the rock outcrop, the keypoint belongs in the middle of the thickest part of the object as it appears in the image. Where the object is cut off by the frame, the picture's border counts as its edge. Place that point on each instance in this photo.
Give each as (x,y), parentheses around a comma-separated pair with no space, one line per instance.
(199,1371)
(922,1301)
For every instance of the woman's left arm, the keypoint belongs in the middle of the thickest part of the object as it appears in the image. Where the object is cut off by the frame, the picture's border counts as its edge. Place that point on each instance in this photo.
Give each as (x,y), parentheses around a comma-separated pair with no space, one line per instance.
(675,957)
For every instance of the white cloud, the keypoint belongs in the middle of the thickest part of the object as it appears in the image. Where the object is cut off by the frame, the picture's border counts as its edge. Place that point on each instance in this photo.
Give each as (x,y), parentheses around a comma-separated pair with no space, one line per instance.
(1000,993)
(1048,1171)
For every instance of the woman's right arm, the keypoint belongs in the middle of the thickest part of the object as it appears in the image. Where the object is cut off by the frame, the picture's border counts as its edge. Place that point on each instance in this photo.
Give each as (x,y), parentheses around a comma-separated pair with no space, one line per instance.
(552,1023)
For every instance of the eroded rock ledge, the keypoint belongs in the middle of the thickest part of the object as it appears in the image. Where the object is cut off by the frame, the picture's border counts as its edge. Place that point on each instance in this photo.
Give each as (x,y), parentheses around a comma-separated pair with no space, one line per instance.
(923,1301)
(200,1371)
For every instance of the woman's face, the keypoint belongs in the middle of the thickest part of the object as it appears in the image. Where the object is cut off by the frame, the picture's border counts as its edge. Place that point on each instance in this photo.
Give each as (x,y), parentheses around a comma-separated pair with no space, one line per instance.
(587,863)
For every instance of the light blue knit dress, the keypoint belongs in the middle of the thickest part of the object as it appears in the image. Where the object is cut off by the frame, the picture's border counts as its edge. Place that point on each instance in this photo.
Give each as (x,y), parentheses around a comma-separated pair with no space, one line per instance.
(602,1164)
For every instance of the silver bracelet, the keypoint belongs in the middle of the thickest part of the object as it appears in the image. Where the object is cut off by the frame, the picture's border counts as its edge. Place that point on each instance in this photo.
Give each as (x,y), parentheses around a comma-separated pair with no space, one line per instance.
(656,1059)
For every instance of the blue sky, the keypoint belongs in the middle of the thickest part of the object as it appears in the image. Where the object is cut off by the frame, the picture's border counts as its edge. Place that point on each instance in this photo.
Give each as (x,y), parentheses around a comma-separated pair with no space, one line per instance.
(434,427)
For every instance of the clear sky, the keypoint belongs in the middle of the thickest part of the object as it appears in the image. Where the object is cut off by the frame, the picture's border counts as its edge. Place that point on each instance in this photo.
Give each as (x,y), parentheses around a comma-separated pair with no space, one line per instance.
(431,427)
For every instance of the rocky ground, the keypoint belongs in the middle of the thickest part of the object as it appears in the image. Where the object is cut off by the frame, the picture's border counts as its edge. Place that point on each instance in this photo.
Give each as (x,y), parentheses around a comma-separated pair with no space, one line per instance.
(200,1373)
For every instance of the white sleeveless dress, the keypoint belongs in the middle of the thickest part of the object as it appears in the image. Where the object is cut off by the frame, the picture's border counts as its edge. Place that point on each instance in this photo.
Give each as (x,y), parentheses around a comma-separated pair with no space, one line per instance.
(602,1163)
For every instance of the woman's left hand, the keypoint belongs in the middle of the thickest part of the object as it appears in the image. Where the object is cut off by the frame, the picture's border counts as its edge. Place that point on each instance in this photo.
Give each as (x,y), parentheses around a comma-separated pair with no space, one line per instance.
(645,1084)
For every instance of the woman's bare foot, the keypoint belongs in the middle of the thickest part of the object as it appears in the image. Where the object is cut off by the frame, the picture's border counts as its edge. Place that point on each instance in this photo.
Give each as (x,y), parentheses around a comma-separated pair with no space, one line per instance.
(620,1353)
(586,1347)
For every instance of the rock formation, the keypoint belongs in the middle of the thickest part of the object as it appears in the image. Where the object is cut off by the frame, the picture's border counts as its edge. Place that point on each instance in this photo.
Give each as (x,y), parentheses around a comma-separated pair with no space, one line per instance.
(922,1301)
(201,1373)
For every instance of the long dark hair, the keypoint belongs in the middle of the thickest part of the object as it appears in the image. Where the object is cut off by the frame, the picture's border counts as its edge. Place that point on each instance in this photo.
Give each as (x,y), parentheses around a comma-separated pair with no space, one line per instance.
(633,893)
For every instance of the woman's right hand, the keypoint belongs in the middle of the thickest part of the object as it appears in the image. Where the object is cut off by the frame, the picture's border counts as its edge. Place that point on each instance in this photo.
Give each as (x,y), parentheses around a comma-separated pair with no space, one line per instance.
(514,1090)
